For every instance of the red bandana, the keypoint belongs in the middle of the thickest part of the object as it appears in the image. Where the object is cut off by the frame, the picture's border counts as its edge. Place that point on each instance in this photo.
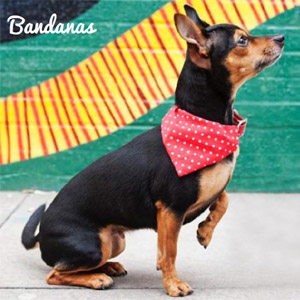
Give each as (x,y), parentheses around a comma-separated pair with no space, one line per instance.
(194,143)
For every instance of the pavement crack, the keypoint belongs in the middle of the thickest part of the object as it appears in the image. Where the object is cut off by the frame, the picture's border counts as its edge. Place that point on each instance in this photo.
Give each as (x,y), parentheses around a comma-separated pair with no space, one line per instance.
(14,210)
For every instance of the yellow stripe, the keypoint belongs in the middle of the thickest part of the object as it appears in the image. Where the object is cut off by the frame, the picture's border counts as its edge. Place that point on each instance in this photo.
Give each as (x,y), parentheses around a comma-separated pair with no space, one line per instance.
(3,134)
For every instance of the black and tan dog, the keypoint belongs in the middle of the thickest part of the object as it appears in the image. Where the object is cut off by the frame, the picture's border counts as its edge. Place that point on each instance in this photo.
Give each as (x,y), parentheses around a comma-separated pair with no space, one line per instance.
(137,187)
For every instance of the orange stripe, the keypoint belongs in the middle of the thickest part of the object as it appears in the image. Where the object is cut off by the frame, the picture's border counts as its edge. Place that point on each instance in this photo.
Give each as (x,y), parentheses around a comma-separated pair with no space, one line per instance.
(238,13)
(171,91)
(101,95)
(82,126)
(37,119)
(62,127)
(153,27)
(171,29)
(7,129)
(264,9)
(284,5)
(66,111)
(47,119)
(139,91)
(116,82)
(82,102)
(26,123)
(224,11)
(81,75)
(141,71)
(147,63)
(208,12)
(254,11)
(21,148)
(107,90)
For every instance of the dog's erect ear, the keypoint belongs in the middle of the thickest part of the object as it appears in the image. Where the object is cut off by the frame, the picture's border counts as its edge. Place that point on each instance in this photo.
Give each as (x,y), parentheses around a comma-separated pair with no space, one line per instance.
(198,49)
(192,13)
(188,30)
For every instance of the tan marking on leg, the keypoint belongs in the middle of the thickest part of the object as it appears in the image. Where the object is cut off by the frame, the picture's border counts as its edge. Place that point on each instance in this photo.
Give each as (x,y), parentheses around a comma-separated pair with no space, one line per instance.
(113,269)
(90,280)
(206,228)
(168,227)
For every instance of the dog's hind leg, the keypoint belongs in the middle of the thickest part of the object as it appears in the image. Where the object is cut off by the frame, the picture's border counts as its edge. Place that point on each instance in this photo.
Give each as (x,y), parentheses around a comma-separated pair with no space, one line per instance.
(97,277)
(86,279)
(206,228)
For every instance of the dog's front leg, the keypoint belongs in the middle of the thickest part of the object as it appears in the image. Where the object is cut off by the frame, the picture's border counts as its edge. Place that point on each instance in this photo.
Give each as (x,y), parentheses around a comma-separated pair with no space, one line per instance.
(168,227)
(207,227)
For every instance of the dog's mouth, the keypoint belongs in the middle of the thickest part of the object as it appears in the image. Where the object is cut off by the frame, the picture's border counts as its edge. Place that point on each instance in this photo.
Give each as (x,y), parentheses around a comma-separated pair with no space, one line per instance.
(267,62)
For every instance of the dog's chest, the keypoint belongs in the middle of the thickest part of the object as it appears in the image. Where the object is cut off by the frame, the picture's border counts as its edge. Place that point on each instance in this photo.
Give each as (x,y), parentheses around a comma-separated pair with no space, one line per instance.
(211,182)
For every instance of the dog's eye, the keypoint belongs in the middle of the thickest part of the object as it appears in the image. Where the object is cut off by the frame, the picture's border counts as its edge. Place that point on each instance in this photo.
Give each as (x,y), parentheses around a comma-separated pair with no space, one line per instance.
(243,41)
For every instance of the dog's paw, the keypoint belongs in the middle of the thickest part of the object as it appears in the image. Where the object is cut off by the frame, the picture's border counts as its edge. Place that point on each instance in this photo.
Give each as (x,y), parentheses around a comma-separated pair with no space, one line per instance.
(113,269)
(100,281)
(204,233)
(177,288)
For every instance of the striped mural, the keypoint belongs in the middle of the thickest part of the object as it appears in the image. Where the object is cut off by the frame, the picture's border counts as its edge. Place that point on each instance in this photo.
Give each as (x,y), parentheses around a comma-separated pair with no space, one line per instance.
(116,85)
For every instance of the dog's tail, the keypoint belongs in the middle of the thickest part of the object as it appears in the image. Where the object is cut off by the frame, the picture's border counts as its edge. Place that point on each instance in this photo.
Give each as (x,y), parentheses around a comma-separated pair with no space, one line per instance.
(29,240)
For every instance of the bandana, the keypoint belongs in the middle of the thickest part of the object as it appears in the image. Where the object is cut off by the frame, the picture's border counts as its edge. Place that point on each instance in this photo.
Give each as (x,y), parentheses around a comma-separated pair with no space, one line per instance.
(193,143)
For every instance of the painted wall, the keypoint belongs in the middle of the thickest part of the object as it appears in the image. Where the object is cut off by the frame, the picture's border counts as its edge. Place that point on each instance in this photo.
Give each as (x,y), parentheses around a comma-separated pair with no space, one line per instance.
(68,99)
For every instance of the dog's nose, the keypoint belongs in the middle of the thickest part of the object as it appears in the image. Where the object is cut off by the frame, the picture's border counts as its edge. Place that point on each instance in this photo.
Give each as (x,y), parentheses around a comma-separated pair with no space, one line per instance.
(279,39)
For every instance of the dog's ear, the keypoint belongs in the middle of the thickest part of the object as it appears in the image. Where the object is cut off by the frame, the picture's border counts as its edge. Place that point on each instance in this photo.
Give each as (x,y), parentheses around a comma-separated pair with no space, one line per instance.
(198,49)
(188,30)
(192,13)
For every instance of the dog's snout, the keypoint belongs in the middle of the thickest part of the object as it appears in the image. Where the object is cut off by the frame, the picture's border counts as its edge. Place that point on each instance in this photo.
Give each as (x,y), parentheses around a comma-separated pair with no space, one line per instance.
(279,39)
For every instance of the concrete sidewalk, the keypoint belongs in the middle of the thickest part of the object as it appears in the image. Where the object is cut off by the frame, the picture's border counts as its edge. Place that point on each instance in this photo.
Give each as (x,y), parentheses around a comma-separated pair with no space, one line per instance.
(254,254)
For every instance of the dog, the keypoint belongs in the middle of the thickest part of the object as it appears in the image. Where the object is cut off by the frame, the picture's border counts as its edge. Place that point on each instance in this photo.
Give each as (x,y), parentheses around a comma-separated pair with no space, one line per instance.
(137,186)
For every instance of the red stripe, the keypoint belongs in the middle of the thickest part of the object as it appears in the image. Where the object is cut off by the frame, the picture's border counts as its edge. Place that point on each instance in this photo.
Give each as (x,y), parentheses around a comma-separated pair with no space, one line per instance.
(171,91)
(81,75)
(21,148)
(140,69)
(82,102)
(275,7)
(170,27)
(47,119)
(294,2)
(26,123)
(254,11)
(140,92)
(224,11)
(62,126)
(66,111)
(7,129)
(116,82)
(162,45)
(264,9)
(208,11)
(284,5)
(107,90)
(238,13)
(37,119)
(149,67)
(189,2)
(81,125)
(102,96)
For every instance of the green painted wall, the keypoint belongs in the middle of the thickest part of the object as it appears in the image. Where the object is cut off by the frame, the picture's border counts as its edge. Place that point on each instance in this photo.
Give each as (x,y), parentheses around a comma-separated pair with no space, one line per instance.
(269,159)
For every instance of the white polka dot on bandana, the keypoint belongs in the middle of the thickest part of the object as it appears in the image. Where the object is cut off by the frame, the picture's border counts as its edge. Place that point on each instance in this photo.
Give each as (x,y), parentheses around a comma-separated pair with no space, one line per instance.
(191,150)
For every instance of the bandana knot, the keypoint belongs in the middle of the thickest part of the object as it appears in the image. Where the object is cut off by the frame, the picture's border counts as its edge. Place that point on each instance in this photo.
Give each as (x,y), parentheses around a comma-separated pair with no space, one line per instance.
(193,143)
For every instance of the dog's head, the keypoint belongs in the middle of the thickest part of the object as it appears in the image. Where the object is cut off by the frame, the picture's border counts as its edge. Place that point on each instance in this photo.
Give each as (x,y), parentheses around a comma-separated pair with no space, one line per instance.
(226,48)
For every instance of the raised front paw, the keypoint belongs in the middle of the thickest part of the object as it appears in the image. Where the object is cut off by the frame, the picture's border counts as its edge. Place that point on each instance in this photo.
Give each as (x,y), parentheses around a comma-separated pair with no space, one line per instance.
(177,288)
(204,233)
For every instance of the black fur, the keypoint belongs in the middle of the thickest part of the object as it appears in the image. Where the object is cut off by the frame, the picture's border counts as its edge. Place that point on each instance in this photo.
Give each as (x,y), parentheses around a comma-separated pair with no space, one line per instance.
(122,187)
(28,238)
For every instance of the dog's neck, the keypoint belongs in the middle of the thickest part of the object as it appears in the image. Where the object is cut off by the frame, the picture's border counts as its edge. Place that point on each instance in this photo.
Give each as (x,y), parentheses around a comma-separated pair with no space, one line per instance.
(201,95)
